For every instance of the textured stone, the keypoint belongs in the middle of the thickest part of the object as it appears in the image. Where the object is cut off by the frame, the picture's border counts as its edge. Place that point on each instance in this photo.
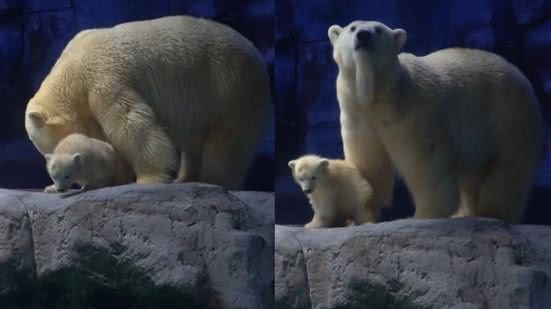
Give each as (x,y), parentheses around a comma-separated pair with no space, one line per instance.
(189,245)
(445,263)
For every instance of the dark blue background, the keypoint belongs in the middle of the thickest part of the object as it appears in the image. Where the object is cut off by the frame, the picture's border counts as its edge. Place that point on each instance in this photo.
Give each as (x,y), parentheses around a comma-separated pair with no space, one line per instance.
(33,34)
(307,111)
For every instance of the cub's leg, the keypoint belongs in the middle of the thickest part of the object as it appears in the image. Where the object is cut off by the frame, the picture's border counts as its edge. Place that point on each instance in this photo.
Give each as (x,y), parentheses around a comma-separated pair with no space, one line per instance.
(364,215)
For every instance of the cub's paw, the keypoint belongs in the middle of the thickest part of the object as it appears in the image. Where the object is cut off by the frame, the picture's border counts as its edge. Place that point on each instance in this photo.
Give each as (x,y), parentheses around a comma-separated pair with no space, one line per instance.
(312,225)
(51,189)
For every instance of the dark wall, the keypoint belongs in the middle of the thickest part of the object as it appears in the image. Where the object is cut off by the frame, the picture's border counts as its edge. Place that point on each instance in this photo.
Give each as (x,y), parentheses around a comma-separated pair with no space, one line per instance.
(307,111)
(33,34)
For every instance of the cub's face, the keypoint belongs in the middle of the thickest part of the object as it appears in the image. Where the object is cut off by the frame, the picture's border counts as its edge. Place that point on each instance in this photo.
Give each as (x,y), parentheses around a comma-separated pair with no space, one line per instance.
(371,40)
(63,168)
(307,172)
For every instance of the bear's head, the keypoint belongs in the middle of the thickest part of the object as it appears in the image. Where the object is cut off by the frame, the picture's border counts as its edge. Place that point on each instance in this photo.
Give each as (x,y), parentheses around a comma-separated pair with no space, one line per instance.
(370,41)
(308,171)
(47,125)
(45,132)
(363,50)
(63,169)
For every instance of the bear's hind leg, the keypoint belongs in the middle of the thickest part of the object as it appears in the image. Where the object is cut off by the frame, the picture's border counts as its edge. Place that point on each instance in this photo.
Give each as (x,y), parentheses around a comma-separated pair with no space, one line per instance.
(470,197)
(190,164)
(130,125)
(503,193)
(227,156)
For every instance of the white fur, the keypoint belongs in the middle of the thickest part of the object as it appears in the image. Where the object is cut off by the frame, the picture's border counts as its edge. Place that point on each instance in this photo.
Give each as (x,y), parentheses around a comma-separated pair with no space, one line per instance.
(336,191)
(159,90)
(88,162)
(458,124)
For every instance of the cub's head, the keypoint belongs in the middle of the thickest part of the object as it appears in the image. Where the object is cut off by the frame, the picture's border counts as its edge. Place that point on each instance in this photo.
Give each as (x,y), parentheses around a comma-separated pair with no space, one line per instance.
(308,171)
(369,40)
(63,169)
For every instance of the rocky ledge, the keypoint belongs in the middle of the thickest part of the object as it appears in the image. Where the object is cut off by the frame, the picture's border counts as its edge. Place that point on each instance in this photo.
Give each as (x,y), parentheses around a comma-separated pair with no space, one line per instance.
(444,263)
(159,246)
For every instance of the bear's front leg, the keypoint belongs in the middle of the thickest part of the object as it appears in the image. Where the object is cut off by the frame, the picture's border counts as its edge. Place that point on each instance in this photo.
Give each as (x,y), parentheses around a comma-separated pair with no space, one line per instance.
(131,127)
(435,193)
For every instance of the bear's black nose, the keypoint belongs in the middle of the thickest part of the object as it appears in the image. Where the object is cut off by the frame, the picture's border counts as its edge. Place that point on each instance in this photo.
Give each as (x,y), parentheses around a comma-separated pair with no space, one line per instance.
(364,36)
(307,191)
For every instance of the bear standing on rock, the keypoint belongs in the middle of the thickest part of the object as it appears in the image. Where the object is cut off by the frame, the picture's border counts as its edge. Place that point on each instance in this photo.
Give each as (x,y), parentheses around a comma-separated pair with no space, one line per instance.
(174,92)
(461,126)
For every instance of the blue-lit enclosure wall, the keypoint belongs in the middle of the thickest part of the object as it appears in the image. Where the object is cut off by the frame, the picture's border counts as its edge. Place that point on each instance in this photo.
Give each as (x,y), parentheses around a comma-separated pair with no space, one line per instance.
(307,111)
(33,34)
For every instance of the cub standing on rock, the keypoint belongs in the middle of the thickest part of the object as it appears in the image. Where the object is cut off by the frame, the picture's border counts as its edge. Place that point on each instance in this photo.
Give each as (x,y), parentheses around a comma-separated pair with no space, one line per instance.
(458,124)
(336,190)
(88,162)
(171,92)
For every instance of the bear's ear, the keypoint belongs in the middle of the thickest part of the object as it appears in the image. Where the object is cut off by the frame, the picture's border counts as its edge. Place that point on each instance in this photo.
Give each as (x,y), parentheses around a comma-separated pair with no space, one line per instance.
(77,159)
(400,36)
(292,164)
(37,119)
(333,33)
(48,157)
(324,163)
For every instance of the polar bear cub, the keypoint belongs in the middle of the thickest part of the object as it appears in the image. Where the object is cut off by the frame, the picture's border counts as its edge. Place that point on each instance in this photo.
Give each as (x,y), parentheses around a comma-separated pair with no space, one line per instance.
(336,191)
(88,162)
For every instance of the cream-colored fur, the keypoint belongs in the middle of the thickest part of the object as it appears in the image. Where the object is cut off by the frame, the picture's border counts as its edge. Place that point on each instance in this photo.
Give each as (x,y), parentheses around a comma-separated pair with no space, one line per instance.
(458,124)
(88,162)
(336,190)
(163,90)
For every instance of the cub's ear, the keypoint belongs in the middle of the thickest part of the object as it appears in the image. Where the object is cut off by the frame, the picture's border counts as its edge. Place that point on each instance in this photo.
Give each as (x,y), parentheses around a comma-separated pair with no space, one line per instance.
(324,163)
(37,118)
(400,36)
(77,159)
(48,157)
(333,33)
(292,164)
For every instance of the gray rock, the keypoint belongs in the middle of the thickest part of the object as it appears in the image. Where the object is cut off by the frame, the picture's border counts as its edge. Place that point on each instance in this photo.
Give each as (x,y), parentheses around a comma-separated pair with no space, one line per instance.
(158,246)
(444,263)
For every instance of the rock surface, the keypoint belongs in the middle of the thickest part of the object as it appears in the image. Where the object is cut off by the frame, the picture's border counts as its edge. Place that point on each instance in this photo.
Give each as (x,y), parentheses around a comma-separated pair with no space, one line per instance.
(165,246)
(455,263)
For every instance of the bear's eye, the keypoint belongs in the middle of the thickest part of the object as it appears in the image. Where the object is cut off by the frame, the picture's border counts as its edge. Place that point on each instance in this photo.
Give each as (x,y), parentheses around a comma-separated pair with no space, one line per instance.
(353,28)
(313,178)
(378,30)
(66,177)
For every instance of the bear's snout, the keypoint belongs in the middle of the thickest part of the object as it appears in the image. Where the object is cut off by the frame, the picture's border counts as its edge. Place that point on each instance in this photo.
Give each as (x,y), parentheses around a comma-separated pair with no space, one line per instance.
(307,191)
(363,39)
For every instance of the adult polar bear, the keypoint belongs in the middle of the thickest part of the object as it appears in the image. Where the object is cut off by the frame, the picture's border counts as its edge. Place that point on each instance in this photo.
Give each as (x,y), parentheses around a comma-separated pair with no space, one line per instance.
(159,90)
(461,126)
